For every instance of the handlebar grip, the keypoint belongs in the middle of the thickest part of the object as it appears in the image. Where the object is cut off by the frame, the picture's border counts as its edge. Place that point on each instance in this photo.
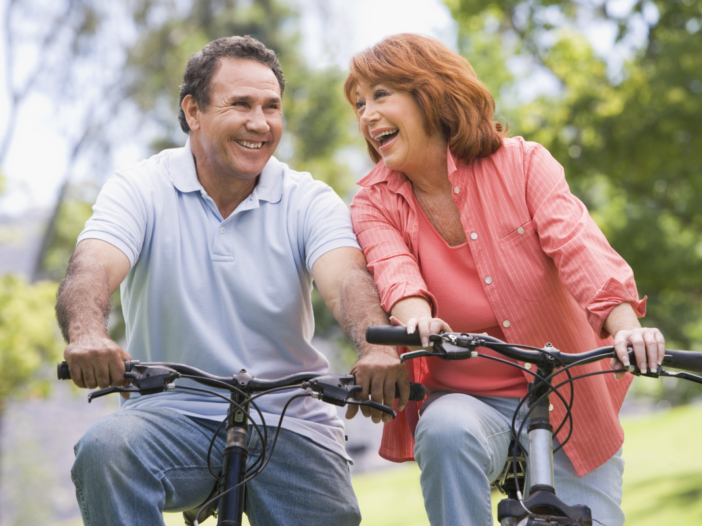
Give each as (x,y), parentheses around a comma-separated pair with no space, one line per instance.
(686,360)
(62,371)
(417,392)
(64,374)
(391,335)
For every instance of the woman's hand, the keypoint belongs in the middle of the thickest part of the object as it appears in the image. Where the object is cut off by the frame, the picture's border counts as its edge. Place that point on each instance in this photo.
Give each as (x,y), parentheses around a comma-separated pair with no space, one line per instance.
(648,342)
(425,325)
(649,348)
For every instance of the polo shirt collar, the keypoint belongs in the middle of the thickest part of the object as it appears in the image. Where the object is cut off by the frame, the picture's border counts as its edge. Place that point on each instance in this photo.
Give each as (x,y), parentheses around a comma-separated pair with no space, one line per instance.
(182,170)
(270,182)
(184,176)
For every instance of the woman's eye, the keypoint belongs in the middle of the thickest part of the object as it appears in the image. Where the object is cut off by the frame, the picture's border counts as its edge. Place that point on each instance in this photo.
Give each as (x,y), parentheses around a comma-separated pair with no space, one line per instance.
(380,93)
(360,105)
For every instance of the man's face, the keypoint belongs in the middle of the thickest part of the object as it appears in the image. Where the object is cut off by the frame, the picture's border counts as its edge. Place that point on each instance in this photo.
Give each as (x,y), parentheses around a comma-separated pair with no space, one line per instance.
(242,126)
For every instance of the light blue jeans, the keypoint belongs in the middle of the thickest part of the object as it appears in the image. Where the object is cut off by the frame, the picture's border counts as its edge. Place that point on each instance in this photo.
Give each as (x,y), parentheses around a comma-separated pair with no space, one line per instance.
(135,463)
(461,448)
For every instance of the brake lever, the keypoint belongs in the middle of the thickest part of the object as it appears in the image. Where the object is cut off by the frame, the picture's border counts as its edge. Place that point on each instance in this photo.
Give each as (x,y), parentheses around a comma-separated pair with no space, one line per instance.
(110,390)
(333,389)
(683,375)
(374,405)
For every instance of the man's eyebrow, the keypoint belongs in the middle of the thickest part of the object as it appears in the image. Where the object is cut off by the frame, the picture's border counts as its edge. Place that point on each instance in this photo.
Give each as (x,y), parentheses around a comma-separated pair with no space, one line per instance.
(250,98)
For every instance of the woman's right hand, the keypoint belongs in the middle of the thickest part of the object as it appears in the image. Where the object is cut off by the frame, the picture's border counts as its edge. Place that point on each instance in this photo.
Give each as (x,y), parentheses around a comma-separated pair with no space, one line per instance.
(425,325)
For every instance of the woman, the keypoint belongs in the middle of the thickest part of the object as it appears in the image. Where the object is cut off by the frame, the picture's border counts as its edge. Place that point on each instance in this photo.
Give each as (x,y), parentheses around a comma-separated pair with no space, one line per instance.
(468,230)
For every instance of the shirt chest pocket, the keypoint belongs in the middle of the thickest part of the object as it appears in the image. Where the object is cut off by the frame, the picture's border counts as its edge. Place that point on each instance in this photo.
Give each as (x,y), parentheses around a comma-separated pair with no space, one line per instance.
(529,271)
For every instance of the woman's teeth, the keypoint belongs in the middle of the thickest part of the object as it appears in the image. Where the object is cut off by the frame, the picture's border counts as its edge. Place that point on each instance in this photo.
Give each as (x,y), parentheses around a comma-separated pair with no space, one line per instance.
(247,144)
(382,137)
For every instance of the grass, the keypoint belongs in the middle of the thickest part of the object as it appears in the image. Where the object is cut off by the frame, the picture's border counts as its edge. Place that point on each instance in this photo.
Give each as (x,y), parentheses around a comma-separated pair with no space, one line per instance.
(662,478)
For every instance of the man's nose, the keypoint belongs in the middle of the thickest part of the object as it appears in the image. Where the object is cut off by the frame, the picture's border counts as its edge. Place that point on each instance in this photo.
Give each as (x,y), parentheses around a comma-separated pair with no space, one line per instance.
(257,121)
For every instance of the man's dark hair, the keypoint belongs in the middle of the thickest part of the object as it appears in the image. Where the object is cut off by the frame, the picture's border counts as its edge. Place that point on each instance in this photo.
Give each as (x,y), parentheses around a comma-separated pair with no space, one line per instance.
(203,65)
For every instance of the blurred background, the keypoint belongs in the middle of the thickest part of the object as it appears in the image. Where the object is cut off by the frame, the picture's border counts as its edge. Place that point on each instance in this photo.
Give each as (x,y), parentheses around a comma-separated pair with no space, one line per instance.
(613,88)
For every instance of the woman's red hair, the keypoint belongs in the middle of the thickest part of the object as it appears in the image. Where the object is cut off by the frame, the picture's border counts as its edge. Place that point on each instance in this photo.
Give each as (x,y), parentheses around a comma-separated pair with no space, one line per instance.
(444,85)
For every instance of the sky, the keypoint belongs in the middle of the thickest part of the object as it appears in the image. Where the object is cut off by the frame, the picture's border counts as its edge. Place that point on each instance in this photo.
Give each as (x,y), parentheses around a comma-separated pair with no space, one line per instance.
(38,155)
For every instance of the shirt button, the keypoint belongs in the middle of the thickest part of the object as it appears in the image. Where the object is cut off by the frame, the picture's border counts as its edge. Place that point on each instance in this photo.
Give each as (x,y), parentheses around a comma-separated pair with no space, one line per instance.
(488,280)
(506,323)
(520,230)
(474,236)
(223,230)
(527,366)
(456,189)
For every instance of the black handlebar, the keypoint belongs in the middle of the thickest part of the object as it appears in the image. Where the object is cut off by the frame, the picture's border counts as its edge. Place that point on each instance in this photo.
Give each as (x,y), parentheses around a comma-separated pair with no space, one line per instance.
(392,335)
(417,391)
(397,336)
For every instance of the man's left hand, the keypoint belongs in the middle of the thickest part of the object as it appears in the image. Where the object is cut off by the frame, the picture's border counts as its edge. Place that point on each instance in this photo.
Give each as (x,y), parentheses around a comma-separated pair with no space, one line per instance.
(378,371)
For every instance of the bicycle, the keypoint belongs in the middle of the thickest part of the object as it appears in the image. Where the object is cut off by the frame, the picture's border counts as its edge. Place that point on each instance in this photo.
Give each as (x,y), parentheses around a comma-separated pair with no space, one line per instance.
(537,504)
(156,377)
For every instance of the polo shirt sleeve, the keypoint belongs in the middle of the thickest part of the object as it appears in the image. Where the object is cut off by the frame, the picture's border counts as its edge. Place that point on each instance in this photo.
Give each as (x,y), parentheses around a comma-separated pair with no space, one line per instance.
(119,216)
(326,223)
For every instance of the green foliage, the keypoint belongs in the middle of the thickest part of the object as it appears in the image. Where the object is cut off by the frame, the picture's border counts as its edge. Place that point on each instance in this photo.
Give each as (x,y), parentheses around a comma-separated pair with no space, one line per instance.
(630,140)
(28,336)
(69,222)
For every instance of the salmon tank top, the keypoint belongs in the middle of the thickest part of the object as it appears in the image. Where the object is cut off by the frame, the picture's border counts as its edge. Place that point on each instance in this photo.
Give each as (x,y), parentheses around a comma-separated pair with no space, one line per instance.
(451,276)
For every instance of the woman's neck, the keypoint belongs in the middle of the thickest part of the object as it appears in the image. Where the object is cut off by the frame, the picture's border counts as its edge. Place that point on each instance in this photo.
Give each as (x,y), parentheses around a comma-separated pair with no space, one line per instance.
(432,175)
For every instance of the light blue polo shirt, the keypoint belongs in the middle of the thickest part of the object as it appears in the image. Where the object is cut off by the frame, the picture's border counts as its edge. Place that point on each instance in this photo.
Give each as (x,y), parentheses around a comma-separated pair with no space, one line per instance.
(224,294)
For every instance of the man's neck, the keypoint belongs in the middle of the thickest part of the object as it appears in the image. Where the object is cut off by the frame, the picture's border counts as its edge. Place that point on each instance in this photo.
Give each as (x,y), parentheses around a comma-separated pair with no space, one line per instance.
(227,192)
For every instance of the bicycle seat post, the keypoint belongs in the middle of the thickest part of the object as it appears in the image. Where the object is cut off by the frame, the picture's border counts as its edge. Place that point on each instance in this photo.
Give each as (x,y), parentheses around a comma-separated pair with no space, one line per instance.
(235,457)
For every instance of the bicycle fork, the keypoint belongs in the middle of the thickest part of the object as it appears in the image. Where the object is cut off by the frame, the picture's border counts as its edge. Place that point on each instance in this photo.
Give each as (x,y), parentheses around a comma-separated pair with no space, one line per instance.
(540,505)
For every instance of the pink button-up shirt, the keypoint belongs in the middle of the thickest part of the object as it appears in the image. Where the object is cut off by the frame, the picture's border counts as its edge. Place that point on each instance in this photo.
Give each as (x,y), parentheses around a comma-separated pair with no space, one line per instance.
(553,277)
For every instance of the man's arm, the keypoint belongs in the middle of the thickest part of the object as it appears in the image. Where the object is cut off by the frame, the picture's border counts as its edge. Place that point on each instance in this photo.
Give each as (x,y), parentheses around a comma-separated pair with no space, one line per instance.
(82,308)
(348,290)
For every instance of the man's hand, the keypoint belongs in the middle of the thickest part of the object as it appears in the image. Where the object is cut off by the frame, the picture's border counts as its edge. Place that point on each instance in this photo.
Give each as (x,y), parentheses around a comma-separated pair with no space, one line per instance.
(83,309)
(96,362)
(378,371)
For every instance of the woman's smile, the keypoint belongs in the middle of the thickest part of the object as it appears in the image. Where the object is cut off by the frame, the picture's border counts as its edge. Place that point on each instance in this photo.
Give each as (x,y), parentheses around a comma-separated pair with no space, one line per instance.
(394,124)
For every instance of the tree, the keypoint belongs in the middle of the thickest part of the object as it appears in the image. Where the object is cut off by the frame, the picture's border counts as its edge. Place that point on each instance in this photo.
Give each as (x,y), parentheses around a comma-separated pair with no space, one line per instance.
(626,131)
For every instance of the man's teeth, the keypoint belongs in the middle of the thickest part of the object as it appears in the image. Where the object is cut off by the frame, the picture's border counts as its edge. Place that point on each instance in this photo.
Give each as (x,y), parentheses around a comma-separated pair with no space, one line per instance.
(254,145)
(383,134)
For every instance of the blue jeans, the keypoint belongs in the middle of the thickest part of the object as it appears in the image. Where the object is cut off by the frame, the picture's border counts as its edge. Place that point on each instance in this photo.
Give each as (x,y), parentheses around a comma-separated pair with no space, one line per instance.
(133,464)
(461,448)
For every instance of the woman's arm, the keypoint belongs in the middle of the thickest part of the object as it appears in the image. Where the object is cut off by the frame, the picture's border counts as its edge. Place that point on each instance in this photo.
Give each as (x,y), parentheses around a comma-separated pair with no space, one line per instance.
(593,272)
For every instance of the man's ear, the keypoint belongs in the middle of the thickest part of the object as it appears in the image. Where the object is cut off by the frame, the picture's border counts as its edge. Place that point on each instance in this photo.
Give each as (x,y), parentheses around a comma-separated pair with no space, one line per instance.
(191,110)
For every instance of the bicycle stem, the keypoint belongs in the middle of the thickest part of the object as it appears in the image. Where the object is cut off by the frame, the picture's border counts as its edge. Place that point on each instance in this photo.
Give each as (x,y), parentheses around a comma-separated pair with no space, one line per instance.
(235,457)
(540,432)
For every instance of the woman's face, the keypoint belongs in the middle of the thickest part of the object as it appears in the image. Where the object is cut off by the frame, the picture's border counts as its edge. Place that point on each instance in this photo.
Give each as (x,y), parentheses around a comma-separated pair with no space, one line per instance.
(392,121)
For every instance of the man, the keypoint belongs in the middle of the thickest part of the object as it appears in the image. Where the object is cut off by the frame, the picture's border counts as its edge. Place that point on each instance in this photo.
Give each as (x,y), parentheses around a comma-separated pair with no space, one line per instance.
(215,246)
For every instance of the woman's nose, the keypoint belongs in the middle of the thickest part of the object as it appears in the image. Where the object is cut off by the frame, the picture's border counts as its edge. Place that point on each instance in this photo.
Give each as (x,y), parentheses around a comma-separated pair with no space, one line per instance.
(369,114)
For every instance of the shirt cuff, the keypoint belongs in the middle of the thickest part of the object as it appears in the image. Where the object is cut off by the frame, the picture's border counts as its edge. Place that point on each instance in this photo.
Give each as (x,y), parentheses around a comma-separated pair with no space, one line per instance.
(613,293)
(112,240)
(400,291)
